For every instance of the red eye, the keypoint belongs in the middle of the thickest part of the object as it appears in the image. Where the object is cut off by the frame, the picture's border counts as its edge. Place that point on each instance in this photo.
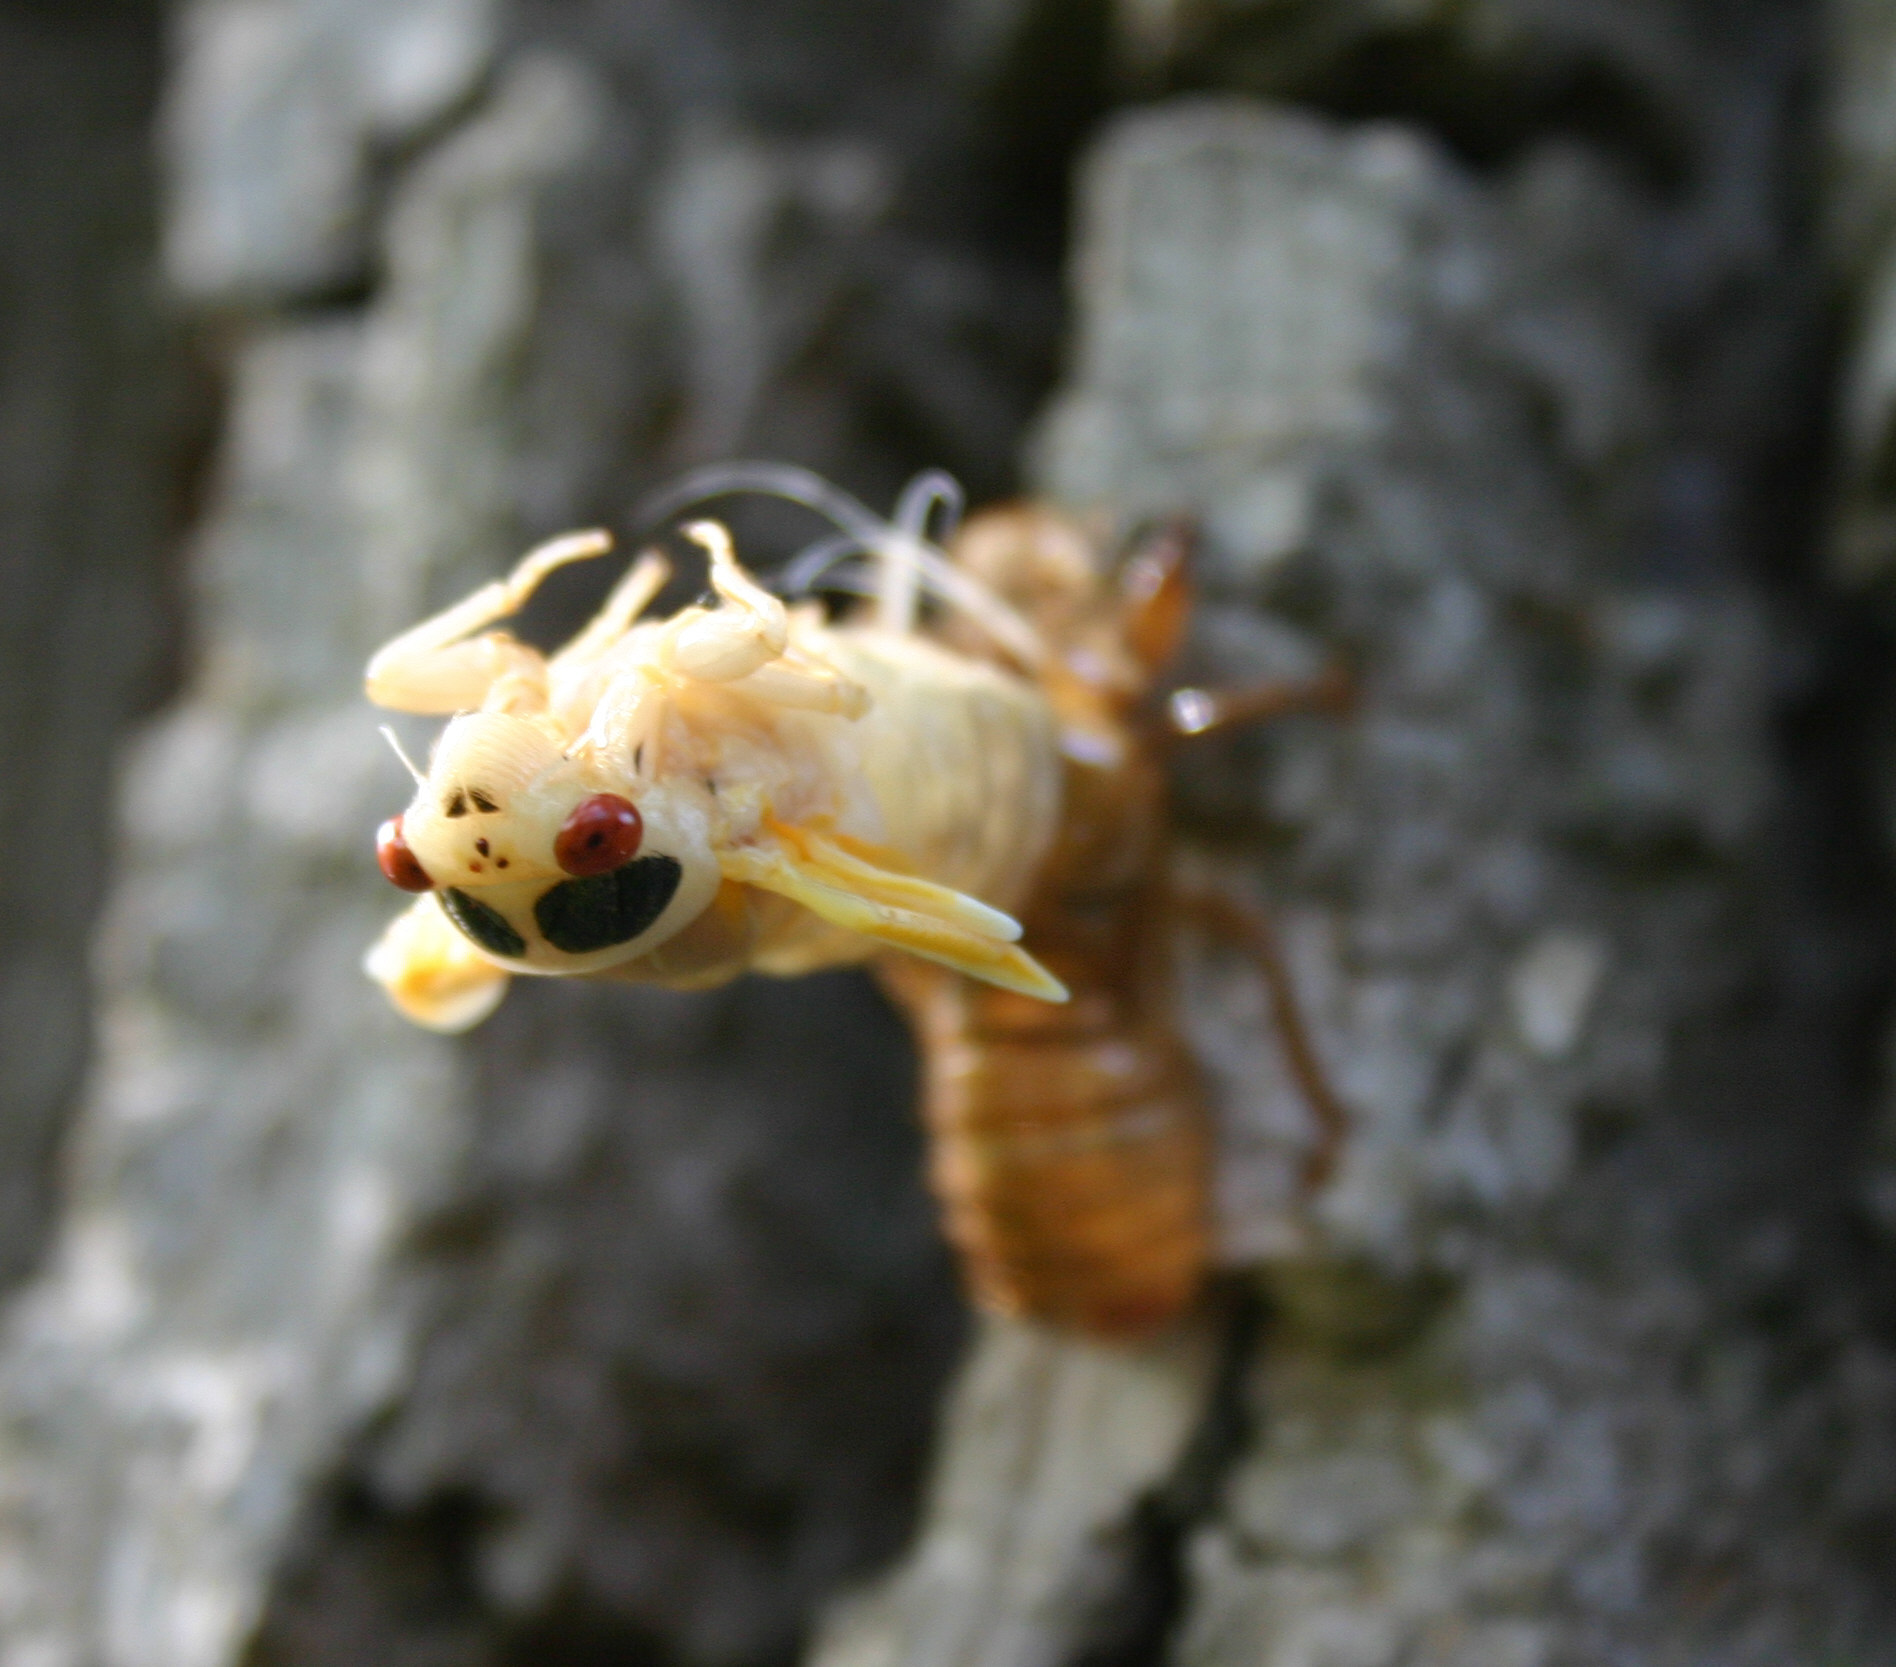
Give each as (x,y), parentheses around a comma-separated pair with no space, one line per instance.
(603,832)
(400,866)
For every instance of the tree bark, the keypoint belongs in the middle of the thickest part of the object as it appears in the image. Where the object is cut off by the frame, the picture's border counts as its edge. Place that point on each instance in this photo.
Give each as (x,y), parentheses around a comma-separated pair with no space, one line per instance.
(96,413)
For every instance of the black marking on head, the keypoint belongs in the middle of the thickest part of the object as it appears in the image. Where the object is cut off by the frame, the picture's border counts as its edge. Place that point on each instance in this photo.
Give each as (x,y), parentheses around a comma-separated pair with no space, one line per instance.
(482,802)
(481,846)
(486,927)
(457,806)
(579,916)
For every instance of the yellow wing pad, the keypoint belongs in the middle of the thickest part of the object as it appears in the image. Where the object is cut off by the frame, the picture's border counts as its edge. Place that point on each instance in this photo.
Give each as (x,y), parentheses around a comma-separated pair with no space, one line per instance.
(875,872)
(433,975)
(846,888)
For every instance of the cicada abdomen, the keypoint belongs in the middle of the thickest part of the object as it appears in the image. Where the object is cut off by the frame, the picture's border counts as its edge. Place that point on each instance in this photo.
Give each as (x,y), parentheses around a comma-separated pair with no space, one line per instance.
(1070,1143)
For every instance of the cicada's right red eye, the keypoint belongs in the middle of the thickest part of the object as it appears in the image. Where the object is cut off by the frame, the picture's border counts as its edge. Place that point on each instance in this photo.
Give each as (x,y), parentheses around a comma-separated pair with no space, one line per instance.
(602,833)
(400,866)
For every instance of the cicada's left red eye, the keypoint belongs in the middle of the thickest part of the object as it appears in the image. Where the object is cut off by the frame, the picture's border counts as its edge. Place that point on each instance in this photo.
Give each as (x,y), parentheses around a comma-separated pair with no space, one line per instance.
(400,866)
(602,833)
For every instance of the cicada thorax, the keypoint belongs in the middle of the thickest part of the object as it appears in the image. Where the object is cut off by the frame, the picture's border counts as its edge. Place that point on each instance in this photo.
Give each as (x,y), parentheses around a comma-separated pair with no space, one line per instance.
(1070,1143)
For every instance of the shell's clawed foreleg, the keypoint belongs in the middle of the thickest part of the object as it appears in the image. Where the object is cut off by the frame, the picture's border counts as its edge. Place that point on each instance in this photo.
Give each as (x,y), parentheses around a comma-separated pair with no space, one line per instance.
(1156,602)
(1196,712)
(440,666)
(1155,593)
(845,883)
(1190,713)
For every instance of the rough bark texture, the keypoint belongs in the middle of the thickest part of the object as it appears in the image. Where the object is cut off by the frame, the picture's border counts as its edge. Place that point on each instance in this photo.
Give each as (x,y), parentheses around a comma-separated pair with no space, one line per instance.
(1860,157)
(1487,341)
(92,425)
(1860,244)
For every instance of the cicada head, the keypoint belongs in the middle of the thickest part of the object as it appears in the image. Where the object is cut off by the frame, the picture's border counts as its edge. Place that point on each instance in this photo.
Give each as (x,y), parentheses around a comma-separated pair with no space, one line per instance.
(545,859)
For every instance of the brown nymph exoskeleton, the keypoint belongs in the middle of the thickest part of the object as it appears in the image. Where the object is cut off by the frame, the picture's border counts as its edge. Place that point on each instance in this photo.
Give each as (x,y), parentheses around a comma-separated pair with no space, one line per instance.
(753,785)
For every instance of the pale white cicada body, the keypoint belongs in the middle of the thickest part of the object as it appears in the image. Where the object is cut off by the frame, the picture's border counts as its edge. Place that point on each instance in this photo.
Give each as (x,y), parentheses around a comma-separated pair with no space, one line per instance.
(741,786)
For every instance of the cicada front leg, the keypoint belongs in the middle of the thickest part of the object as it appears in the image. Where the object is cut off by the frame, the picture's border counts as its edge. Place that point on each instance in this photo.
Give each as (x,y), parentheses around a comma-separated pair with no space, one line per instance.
(723,644)
(440,666)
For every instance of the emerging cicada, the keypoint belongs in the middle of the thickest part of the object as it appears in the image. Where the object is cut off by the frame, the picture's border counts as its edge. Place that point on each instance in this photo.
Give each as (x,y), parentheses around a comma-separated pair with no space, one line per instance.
(749,786)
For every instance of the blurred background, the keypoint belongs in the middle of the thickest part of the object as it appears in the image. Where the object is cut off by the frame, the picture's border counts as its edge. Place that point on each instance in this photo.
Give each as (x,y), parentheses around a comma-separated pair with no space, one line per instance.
(1538,356)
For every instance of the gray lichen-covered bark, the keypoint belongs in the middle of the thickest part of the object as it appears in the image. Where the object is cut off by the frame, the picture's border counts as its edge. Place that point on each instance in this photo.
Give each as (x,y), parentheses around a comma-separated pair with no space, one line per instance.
(1860,244)
(93,427)
(1485,342)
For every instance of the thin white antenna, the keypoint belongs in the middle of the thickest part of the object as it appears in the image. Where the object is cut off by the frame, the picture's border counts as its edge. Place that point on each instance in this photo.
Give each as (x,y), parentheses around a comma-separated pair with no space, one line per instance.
(876,538)
(408,763)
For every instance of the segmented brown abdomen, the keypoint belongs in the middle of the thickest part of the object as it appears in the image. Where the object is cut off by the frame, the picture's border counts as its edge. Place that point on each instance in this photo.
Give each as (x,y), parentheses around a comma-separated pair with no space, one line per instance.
(1069,1143)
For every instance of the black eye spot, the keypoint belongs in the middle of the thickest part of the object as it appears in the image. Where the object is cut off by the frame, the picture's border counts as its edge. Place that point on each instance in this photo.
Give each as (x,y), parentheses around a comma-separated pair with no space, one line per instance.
(481,846)
(481,801)
(457,806)
(486,927)
(579,916)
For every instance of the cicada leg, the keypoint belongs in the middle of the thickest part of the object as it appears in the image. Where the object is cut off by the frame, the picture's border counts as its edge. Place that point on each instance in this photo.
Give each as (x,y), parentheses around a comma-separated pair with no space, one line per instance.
(1189,714)
(440,666)
(1251,931)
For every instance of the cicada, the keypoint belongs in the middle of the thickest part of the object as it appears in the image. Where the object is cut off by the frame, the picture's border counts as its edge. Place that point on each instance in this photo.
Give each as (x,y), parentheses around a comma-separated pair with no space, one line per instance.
(958,776)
